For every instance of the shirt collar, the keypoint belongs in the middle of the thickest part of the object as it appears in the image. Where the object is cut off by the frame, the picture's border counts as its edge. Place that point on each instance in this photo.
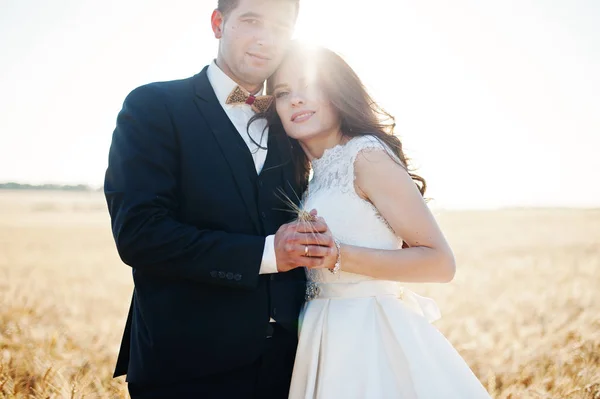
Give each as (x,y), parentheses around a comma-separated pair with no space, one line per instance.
(222,84)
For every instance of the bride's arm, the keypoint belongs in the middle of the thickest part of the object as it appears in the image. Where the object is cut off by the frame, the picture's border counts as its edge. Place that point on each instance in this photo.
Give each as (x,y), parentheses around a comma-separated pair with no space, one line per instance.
(387,185)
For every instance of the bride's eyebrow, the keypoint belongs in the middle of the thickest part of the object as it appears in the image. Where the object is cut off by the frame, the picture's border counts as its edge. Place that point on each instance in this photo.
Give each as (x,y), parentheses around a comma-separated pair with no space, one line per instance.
(279,86)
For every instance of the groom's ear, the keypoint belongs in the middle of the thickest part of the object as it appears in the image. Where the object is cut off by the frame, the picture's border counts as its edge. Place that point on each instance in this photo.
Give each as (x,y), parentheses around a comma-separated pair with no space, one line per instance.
(217,21)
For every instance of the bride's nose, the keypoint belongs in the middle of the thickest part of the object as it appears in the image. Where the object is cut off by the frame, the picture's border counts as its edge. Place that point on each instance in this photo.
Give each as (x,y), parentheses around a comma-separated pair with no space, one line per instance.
(297,100)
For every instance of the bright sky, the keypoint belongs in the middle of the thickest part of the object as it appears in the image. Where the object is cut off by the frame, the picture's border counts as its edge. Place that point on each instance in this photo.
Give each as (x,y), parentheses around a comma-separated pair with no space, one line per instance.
(498,102)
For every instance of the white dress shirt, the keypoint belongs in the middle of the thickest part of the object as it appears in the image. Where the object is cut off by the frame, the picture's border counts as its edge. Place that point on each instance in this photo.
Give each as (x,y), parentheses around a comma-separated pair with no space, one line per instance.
(240,114)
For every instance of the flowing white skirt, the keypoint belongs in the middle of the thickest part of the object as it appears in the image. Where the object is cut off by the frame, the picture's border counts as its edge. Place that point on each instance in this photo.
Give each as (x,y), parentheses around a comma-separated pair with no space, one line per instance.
(365,341)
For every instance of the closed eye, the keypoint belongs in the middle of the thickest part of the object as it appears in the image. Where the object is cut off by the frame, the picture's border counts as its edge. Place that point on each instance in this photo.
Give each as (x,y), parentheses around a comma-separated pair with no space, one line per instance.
(281,94)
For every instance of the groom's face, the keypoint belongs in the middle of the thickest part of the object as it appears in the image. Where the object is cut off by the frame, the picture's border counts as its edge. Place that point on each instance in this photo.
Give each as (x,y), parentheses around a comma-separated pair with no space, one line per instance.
(253,38)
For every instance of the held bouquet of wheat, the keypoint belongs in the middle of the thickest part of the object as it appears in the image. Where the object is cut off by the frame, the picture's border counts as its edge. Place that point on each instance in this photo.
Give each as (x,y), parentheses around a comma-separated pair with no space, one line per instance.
(300,215)
(303,216)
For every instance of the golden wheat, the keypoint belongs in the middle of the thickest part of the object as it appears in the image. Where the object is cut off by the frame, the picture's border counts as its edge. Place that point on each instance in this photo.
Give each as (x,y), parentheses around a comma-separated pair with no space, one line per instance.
(523,310)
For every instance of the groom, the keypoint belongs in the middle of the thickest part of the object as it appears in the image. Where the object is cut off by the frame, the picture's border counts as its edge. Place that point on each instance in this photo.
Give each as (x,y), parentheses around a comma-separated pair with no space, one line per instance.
(197,213)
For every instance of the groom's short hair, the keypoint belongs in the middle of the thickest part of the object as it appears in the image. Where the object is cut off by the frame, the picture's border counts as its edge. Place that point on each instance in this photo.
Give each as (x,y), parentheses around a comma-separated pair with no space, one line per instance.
(226,6)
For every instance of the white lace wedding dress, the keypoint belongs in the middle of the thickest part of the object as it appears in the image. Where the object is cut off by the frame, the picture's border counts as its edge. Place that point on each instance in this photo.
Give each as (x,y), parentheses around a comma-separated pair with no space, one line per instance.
(362,338)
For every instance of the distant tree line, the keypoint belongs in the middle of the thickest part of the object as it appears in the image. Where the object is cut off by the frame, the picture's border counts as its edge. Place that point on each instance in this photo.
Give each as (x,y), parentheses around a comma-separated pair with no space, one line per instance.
(19,186)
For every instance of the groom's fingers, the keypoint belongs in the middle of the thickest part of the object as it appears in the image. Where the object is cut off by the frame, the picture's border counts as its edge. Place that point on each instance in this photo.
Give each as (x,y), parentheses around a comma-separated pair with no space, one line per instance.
(291,247)
(325,240)
(316,226)
(313,251)
(307,250)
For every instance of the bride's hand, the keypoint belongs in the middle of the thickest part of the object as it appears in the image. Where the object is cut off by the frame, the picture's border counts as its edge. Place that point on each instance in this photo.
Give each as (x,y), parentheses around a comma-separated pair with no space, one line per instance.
(303,243)
(329,250)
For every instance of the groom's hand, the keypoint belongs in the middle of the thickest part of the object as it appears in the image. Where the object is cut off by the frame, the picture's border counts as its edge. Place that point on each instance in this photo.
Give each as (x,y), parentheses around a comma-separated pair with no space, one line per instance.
(301,243)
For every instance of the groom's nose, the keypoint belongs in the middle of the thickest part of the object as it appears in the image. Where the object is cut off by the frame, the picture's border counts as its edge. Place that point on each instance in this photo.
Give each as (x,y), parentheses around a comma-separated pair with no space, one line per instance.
(267,36)
(265,40)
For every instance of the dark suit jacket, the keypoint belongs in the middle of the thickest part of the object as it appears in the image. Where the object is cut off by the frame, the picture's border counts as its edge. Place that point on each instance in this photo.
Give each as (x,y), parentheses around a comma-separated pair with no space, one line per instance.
(188,216)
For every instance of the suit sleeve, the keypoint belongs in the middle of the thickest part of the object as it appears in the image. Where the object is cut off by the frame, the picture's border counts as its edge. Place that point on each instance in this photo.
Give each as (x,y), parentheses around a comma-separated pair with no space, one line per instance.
(141,193)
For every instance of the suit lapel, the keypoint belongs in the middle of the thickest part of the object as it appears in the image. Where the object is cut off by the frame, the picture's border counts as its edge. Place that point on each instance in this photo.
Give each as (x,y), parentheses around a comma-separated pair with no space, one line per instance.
(232,145)
(283,145)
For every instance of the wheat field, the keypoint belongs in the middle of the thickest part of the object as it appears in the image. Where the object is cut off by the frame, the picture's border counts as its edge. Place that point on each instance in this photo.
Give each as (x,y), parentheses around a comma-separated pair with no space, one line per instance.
(523,310)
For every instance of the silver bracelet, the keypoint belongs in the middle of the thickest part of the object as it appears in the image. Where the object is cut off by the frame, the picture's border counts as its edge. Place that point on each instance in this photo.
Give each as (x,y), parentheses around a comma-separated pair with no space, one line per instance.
(338,262)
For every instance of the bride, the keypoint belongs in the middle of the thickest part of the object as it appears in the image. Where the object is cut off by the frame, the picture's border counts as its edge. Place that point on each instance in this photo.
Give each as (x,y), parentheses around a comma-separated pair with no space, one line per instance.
(361,334)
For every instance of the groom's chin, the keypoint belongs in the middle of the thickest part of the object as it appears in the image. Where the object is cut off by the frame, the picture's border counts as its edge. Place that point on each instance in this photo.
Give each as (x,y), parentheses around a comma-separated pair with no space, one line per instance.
(258,74)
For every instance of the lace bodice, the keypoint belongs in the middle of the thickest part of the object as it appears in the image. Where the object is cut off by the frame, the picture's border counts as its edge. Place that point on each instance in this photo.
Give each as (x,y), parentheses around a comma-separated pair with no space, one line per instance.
(351,219)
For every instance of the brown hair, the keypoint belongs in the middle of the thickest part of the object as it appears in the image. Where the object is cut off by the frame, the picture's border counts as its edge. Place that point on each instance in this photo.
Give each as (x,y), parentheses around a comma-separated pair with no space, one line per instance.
(226,6)
(359,114)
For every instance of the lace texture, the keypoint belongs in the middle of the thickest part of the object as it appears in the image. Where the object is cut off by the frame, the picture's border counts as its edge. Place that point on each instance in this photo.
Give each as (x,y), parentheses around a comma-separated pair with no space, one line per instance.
(350,218)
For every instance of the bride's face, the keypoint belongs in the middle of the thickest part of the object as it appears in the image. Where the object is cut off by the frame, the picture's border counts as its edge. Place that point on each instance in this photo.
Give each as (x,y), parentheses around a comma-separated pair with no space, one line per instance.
(301,104)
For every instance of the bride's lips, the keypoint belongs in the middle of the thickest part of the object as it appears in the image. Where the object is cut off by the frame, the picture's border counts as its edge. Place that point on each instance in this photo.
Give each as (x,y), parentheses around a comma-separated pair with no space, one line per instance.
(303,116)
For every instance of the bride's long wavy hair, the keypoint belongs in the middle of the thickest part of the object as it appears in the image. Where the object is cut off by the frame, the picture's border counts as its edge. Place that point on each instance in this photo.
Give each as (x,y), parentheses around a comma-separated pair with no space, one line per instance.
(359,114)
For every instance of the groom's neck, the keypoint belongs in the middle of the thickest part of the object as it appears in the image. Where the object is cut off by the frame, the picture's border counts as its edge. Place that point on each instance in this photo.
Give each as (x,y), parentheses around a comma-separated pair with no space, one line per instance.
(250,88)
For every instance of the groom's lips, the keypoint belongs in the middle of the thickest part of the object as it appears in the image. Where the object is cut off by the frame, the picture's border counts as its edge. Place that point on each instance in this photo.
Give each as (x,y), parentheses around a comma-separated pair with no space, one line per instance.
(260,56)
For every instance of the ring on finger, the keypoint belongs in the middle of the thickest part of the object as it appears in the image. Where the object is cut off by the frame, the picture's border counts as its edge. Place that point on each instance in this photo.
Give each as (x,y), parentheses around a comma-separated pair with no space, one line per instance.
(306,250)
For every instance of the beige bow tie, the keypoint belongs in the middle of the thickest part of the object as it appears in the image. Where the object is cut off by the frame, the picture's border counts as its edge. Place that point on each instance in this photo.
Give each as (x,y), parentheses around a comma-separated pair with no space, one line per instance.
(259,104)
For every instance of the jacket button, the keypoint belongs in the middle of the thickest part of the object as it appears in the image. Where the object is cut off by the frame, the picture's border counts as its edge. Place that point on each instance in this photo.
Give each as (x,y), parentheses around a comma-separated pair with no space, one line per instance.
(222,274)
(260,183)
(213,274)
(229,276)
(272,277)
(237,277)
(264,215)
(274,311)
